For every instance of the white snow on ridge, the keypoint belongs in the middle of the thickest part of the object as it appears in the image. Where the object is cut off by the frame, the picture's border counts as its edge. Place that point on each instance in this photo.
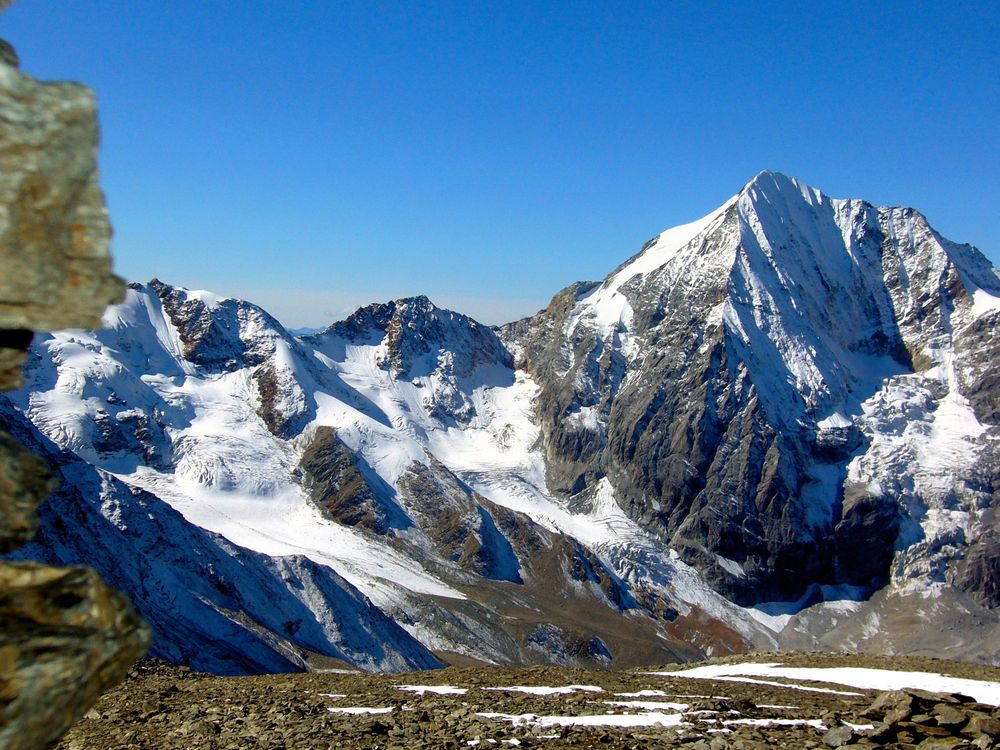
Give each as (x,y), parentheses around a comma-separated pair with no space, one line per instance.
(607,310)
(665,247)
(984,302)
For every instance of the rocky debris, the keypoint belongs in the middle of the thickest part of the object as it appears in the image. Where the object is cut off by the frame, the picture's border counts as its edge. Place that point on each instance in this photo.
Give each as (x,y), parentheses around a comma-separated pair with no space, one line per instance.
(167,707)
(66,638)
(933,720)
(64,635)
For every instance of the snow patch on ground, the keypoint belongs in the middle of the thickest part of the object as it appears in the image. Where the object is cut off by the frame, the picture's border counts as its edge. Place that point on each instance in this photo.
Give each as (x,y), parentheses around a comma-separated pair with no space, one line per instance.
(544,690)
(435,689)
(599,720)
(870,679)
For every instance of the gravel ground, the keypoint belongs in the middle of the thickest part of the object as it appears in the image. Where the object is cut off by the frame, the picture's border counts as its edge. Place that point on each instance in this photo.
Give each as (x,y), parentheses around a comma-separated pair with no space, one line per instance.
(165,707)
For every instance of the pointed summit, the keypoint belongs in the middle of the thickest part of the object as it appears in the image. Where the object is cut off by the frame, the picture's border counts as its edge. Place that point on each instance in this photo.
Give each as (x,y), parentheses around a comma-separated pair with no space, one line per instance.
(418,335)
(779,189)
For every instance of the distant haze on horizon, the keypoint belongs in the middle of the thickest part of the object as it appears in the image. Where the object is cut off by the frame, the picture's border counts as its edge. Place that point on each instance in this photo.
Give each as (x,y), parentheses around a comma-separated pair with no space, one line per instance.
(311,157)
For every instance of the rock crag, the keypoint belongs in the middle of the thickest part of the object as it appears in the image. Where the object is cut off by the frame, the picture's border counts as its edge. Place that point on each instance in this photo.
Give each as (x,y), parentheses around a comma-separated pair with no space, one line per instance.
(65,636)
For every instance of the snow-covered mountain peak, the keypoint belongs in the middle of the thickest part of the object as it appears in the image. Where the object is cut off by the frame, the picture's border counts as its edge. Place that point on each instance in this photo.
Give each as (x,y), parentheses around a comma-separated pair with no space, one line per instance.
(769,185)
(766,334)
(417,338)
(210,332)
(674,245)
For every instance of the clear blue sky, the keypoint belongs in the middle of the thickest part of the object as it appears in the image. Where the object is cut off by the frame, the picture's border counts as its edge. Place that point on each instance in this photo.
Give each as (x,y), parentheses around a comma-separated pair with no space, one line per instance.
(311,156)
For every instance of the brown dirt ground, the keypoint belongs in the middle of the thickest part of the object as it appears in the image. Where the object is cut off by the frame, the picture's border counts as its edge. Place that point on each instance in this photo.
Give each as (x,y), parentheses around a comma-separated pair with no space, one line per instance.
(165,707)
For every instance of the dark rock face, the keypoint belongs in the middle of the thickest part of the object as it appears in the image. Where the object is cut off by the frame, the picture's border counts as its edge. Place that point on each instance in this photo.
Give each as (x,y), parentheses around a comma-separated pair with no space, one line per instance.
(584,566)
(567,646)
(702,395)
(281,422)
(214,337)
(132,431)
(415,333)
(455,519)
(335,482)
(979,572)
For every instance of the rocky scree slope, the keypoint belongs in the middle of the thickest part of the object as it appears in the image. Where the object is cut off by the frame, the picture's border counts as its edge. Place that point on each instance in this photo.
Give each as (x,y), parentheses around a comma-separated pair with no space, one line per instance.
(771,427)
(553,707)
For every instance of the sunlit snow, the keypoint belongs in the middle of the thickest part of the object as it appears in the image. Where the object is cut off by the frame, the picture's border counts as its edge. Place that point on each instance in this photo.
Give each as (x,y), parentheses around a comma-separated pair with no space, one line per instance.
(871,679)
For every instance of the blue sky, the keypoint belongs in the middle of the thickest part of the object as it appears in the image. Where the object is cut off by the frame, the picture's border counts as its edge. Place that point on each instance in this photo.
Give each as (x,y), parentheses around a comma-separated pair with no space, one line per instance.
(313,156)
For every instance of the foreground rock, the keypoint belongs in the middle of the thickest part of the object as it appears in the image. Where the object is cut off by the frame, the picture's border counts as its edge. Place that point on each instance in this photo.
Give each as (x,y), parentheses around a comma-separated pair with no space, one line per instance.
(24,484)
(64,636)
(929,719)
(160,706)
(54,237)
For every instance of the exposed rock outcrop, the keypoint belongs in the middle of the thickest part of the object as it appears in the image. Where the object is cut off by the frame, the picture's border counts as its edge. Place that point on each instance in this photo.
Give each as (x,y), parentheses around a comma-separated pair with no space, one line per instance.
(54,237)
(336,481)
(64,636)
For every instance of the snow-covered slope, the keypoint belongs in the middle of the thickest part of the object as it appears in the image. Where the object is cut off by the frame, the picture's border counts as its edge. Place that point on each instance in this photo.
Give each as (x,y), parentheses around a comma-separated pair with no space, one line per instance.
(738,438)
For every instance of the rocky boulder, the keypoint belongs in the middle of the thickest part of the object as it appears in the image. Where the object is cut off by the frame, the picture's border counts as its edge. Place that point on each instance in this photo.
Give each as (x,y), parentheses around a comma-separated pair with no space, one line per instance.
(65,637)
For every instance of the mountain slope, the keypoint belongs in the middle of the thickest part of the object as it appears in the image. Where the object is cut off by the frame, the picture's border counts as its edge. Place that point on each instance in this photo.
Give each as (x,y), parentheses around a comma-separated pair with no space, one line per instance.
(727,382)
(772,426)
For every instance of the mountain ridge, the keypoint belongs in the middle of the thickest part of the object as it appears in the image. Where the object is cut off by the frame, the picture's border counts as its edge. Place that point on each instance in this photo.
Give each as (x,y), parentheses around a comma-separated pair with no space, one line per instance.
(766,418)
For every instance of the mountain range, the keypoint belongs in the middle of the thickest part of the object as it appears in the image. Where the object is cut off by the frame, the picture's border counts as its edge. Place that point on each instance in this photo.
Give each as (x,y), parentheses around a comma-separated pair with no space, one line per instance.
(774,427)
